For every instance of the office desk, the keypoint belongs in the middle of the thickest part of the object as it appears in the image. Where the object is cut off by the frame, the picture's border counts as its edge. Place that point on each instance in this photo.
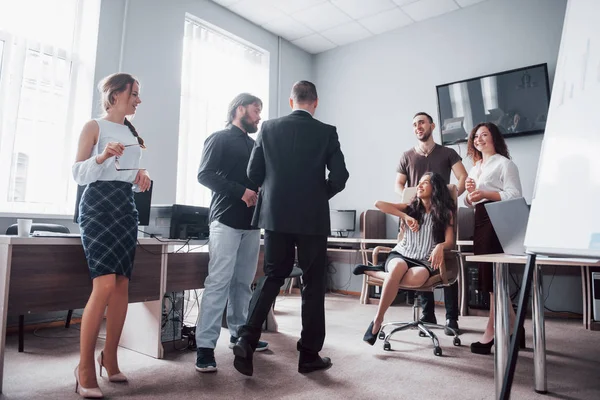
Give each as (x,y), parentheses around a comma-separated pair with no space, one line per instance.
(187,270)
(40,274)
(502,302)
(184,268)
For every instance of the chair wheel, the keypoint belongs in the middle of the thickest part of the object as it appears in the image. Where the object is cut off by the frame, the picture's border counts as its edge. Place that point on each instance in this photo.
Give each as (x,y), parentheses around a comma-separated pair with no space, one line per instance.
(387,347)
(381,335)
(421,334)
(456,341)
(437,351)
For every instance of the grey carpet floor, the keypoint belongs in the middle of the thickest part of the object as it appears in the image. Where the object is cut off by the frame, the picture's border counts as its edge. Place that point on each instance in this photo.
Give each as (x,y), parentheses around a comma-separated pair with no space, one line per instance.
(410,371)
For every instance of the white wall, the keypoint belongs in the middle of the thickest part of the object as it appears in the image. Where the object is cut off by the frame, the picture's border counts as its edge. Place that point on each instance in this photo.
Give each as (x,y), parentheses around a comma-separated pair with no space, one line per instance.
(372,89)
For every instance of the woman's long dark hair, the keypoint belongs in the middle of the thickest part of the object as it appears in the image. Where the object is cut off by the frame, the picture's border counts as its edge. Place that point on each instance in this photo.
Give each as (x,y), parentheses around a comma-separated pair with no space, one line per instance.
(442,206)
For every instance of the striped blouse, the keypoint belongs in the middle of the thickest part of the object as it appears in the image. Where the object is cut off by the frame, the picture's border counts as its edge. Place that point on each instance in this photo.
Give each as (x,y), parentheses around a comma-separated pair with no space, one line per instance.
(418,245)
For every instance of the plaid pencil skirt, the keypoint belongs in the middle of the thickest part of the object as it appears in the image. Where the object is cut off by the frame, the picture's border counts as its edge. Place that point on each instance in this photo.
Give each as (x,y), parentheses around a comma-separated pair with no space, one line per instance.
(108,221)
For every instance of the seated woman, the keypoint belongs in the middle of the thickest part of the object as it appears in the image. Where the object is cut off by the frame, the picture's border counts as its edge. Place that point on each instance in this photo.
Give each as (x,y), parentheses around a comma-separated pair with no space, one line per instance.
(428,231)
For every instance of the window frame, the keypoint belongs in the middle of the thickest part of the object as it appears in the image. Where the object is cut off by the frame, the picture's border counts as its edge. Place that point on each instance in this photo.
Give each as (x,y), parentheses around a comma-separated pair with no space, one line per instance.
(181,196)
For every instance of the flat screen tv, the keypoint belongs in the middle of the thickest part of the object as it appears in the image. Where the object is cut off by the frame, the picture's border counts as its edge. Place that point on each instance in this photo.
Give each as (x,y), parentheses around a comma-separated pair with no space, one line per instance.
(516,100)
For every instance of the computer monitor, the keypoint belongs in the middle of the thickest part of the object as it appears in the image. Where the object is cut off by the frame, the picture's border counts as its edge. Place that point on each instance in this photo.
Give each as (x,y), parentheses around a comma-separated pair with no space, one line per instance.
(342,222)
(142,202)
(189,222)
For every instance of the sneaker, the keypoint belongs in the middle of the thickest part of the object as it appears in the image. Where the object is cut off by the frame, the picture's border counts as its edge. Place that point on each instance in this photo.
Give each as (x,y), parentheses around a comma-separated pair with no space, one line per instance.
(261,346)
(429,319)
(451,323)
(205,360)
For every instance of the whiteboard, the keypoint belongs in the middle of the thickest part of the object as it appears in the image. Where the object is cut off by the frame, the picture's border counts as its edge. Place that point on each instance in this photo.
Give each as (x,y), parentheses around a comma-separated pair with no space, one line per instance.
(565,210)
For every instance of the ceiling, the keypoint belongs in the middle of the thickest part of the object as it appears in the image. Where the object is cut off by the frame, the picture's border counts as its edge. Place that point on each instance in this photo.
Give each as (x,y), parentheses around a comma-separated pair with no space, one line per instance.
(320,25)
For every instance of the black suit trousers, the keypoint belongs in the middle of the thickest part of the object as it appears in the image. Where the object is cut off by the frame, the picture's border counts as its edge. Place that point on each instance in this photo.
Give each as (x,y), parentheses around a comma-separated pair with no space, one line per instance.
(280,254)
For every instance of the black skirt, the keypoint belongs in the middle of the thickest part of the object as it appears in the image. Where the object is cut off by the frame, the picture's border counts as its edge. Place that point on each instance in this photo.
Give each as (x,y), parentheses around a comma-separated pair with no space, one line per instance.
(411,262)
(108,221)
(485,241)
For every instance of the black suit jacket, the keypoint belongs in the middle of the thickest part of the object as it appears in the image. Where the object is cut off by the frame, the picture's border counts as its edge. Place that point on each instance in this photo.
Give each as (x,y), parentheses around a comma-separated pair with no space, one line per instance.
(288,162)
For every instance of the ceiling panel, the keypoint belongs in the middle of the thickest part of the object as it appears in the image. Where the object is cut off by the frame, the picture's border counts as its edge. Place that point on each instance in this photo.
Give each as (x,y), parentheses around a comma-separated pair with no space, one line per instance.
(346,33)
(357,9)
(314,43)
(321,25)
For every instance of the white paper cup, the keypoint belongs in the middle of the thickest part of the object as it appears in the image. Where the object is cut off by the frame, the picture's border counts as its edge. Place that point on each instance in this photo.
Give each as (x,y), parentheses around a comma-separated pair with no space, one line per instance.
(24,227)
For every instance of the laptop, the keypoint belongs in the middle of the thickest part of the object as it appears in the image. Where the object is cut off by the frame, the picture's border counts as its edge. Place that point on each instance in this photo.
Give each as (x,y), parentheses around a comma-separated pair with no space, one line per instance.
(142,202)
(509,219)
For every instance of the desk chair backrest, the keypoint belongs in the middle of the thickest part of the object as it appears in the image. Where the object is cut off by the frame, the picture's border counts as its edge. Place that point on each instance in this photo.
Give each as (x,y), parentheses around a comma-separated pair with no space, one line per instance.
(13,229)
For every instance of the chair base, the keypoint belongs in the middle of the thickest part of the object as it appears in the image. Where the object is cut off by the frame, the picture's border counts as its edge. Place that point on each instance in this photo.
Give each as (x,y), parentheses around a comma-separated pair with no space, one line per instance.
(424,331)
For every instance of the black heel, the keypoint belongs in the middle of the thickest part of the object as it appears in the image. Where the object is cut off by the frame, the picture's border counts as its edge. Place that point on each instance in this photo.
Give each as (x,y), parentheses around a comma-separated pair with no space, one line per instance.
(482,348)
(360,269)
(369,337)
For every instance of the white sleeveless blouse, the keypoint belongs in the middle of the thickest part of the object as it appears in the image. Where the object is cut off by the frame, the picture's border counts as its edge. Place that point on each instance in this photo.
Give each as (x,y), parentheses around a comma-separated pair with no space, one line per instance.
(88,171)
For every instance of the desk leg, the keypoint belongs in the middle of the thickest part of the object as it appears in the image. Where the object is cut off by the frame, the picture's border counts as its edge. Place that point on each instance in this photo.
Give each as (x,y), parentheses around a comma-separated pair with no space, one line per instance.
(5,260)
(521,311)
(501,332)
(539,334)
(464,311)
(585,293)
(142,329)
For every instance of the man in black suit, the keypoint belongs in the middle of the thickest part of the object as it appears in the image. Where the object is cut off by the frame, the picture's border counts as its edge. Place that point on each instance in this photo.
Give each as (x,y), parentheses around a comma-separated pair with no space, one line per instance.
(288,162)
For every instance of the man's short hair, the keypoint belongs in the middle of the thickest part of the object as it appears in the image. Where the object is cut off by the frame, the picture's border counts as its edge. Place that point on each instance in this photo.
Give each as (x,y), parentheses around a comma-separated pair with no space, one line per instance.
(304,92)
(242,99)
(424,114)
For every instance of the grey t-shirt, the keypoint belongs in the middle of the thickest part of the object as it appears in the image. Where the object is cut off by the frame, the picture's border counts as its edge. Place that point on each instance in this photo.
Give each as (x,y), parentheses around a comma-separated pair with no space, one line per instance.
(440,160)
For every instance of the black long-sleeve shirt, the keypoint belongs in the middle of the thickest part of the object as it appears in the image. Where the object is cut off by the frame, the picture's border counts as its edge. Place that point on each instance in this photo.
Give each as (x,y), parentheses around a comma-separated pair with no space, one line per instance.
(223,170)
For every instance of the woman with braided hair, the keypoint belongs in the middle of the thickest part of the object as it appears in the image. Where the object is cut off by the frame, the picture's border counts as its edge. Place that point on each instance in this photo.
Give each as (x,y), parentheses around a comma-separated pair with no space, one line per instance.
(107,162)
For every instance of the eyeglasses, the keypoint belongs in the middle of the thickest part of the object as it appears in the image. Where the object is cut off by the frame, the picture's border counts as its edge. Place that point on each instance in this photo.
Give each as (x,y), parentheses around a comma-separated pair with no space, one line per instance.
(118,167)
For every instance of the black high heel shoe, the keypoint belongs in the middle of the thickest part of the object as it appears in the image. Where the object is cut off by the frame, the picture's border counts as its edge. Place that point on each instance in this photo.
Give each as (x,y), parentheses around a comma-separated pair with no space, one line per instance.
(482,348)
(369,337)
(360,269)
(486,348)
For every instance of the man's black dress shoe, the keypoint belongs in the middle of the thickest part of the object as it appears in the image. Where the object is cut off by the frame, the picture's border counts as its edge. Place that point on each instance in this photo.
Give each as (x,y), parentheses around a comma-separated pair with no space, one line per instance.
(369,337)
(316,365)
(429,319)
(243,357)
(453,324)
(360,269)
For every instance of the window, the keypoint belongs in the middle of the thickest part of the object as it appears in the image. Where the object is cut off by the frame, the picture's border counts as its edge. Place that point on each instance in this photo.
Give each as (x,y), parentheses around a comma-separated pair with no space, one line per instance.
(489,91)
(461,104)
(42,89)
(216,68)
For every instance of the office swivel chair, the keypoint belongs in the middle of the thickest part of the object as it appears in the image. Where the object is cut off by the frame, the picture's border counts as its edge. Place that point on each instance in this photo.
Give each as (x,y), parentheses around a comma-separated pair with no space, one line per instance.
(13,230)
(294,277)
(447,276)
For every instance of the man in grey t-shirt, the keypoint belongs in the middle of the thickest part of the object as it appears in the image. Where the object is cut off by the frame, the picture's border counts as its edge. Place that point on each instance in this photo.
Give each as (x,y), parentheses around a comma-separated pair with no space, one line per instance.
(428,156)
